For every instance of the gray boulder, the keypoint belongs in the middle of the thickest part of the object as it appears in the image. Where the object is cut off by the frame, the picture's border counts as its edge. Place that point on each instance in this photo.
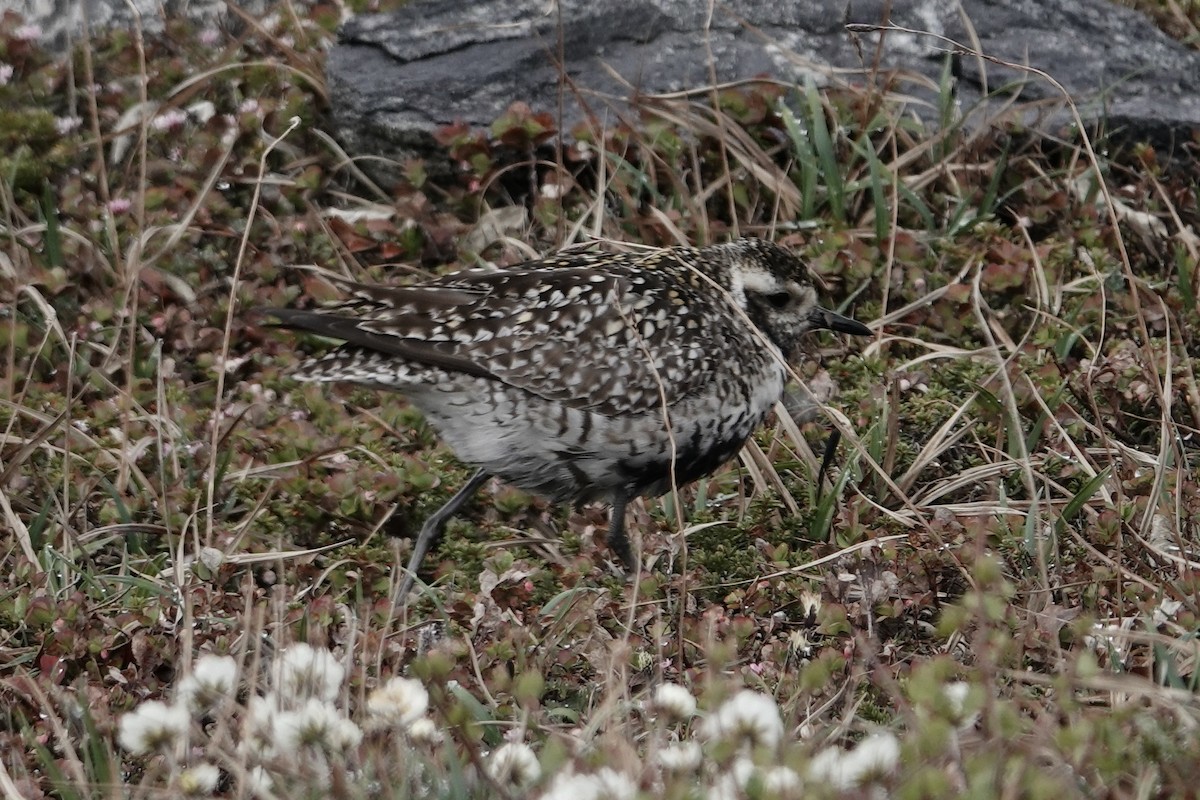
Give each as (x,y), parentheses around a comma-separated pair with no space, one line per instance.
(394,79)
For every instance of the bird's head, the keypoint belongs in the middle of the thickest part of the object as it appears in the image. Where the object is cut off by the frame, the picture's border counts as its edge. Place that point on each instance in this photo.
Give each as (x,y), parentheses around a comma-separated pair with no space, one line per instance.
(775,290)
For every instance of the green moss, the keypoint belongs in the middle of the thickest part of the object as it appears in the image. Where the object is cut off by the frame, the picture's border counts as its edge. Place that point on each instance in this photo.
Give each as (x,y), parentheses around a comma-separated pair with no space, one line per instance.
(29,147)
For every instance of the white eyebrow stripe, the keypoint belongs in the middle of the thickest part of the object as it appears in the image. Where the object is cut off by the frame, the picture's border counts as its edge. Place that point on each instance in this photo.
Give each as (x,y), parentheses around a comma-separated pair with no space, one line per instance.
(757,282)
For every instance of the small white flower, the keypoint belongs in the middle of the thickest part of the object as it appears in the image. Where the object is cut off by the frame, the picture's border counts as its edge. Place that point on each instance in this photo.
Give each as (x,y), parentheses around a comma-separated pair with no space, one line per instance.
(213,680)
(569,786)
(878,754)
(956,695)
(153,725)
(64,125)
(258,727)
(170,120)
(200,779)
(514,766)
(344,735)
(303,671)
(614,785)
(398,703)
(681,757)
(810,603)
(731,783)
(6,73)
(425,731)
(782,782)
(749,718)
(724,788)
(315,724)
(875,756)
(258,782)
(605,784)
(828,766)
(799,643)
(28,33)
(674,701)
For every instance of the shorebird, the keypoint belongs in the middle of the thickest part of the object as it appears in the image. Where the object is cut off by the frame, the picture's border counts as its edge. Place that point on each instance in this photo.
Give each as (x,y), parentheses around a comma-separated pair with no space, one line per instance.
(582,377)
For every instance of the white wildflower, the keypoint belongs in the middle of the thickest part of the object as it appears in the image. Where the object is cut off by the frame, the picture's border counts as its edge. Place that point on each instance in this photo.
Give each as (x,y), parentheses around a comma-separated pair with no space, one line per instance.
(799,643)
(213,679)
(810,604)
(303,671)
(170,120)
(674,701)
(605,784)
(315,724)
(151,726)
(28,33)
(614,785)
(749,717)
(345,735)
(398,703)
(732,782)
(724,788)
(781,782)
(6,73)
(876,755)
(200,779)
(258,727)
(64,125)
(681,757)
(827,766)
(568,785)
(956,695)
(202,111)
(258,782)
(514,766)
(425,731)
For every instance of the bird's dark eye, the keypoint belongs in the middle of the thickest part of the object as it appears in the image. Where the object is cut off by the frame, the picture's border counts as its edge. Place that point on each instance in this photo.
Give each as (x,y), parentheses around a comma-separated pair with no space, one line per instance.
(779,300)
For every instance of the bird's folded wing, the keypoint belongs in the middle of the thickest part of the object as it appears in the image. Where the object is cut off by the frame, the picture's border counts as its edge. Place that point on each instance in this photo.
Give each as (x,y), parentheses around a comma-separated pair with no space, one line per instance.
(604,340)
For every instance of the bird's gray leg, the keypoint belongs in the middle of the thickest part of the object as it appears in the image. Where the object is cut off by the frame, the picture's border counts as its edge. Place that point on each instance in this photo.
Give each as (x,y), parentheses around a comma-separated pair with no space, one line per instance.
(617,541)
(431,531)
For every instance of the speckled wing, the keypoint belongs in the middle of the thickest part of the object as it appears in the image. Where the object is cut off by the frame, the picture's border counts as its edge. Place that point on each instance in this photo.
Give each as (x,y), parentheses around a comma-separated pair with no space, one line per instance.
(565,329)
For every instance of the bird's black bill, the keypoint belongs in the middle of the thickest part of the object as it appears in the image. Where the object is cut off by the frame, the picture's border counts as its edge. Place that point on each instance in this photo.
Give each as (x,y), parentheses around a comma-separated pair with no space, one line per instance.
(823,318)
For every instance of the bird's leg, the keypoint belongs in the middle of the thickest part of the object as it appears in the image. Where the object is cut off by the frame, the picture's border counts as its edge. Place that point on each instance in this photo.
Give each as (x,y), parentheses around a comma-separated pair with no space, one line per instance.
(617,541)
(431,531)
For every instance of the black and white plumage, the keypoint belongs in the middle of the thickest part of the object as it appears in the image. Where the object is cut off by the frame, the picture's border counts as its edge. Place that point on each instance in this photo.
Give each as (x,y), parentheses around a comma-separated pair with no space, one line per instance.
(582,377)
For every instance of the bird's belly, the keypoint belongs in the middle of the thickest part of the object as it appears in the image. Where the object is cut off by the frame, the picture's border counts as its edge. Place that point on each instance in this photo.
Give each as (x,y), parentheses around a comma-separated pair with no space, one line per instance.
(572,455)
